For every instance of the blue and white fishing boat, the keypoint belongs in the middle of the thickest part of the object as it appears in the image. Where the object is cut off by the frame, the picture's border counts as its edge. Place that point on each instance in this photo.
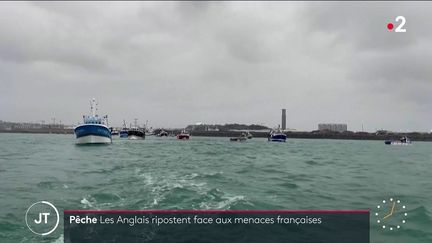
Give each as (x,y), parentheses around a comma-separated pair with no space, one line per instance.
(124,131)
(94,130)
(277,136)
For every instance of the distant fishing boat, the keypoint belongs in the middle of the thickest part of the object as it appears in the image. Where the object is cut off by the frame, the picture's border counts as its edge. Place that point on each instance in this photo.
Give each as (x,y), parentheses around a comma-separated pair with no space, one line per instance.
(183,135)
(403,141)
(243,137)
(162,133)
(148,131)
(249,135)
(135,132)
(124,131)
(277,136)
(114,131)
(94,130)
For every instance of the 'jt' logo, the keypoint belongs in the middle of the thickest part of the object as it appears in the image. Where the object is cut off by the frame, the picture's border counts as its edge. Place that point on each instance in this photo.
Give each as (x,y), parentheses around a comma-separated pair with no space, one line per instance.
(40,225)
(40,218)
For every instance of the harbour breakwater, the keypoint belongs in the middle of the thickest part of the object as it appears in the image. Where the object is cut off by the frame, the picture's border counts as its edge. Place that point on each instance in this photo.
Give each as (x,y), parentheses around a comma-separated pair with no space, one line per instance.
(414,136)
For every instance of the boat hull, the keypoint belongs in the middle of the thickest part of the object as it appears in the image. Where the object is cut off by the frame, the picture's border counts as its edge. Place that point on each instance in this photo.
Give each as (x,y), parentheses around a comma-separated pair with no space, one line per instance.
(181,136)
(92,139)
(277,138)
(123,134)
(136,134)
(135,137)
(92,134)
(397,143)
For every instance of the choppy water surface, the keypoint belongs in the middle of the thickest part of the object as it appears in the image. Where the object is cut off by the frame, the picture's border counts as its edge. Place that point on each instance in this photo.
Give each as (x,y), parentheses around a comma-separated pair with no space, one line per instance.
(213,173)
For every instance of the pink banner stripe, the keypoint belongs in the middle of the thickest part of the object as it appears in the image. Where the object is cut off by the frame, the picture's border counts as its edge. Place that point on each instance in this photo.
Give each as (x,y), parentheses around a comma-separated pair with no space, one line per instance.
(214,211)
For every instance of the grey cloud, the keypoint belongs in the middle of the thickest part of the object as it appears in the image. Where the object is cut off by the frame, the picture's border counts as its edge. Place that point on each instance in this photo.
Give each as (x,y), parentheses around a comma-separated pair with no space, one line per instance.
(383,62)
(182,62)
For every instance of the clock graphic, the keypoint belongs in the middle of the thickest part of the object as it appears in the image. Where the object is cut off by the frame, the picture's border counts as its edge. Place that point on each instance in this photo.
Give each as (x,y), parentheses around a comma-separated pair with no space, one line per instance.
(391,214)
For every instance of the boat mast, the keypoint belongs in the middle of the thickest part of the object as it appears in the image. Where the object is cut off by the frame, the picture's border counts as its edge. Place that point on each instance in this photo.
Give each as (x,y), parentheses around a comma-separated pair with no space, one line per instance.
(93,107)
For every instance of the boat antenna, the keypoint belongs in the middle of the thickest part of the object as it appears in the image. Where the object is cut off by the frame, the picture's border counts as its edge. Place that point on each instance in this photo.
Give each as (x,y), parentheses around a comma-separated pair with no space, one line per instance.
(93,106)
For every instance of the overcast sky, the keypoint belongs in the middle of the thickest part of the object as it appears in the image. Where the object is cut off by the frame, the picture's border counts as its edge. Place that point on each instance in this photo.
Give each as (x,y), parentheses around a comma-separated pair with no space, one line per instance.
(178,63)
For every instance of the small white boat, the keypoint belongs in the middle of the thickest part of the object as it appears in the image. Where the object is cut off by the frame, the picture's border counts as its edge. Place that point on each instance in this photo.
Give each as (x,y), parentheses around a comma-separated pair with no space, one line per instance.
(162,133)
(114,131)
(249,135)
(403,141)
(243,137)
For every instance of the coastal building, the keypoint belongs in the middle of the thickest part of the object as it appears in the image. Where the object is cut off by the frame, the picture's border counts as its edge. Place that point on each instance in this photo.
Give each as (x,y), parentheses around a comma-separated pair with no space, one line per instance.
(334,127)
(283,119)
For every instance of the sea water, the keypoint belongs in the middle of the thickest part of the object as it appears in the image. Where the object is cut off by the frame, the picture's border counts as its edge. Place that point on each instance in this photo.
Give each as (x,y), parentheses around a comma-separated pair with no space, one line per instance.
(213,173)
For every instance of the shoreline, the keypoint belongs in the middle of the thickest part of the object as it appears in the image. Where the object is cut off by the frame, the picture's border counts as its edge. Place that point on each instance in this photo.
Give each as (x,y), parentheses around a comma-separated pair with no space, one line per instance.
(415,136)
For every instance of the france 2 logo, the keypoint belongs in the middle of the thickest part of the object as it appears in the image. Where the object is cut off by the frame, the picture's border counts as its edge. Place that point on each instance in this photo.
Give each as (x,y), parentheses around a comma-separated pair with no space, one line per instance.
(399,28)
